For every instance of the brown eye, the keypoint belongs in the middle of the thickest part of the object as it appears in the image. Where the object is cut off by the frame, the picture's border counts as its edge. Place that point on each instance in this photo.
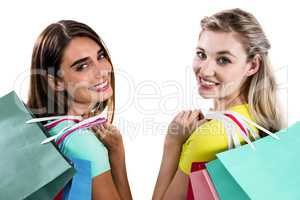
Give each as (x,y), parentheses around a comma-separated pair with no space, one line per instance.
(81,66)
(223,61)
(201,55)
(101,56)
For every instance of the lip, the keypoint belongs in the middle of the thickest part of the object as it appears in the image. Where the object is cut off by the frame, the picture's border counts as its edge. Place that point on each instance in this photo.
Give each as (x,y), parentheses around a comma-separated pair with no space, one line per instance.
(206,83)
(100,87)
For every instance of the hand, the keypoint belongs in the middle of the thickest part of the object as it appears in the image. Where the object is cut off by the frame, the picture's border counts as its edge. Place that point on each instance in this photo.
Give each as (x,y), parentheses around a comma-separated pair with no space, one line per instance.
(183,125)
(112,139)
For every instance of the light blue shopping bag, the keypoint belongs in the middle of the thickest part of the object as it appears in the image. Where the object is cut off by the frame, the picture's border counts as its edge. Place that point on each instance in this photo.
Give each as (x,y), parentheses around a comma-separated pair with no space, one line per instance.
(271,171)
(81,185)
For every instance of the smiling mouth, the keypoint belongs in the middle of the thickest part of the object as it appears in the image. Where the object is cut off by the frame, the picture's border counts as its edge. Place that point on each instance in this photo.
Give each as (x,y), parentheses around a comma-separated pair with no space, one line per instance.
(207,83)
(100,87)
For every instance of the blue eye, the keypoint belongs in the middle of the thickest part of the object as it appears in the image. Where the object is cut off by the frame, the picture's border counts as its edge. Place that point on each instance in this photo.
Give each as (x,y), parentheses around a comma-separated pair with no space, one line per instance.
(201,55)
(223,61)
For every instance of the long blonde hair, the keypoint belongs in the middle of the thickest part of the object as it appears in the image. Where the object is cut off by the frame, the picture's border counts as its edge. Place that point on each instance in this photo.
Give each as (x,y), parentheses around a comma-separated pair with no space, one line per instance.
(260,88)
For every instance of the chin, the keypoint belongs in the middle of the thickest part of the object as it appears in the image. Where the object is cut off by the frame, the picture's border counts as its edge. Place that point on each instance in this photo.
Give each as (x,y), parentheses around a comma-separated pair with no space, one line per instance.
(206,95)
(103,96)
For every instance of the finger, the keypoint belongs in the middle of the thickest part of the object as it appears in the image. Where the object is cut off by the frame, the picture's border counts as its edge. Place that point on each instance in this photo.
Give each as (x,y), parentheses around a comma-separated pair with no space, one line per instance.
(101,131)
(98,135)
(179,116)
(105,125)
(109,128)
(187,114)
(197,115)
(112,127)
(97,126)
(201,115)
(102,135)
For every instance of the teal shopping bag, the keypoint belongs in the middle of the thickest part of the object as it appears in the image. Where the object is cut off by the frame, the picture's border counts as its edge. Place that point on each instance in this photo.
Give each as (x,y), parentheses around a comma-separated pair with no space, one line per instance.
(225,184)
(271,171)
(28,169)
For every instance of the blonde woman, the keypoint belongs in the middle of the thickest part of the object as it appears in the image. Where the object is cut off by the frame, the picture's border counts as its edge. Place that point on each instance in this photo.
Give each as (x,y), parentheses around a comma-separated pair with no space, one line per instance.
(232,67)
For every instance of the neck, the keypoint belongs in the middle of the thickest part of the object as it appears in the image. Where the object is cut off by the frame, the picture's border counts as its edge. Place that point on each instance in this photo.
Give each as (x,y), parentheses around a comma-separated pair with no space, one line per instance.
(77,108)
(226,102)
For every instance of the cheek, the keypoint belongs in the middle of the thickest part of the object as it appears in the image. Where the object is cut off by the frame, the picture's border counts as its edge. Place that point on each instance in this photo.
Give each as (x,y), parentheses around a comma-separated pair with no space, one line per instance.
(196,65)
(230,74)
(80,76)
(76,81)
(109,71)
(231,81)
(103,69)
(108,67)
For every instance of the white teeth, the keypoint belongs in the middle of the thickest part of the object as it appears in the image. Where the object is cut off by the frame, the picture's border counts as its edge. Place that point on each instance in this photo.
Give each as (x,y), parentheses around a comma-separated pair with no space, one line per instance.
(101,85)
(208,83)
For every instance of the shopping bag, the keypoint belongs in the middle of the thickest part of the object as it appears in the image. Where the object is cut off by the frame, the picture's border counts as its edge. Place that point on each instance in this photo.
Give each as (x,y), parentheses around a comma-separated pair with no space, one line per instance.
(80,187)
(235,124)
(271,171)
(28,169)
(226,186)
(201,186)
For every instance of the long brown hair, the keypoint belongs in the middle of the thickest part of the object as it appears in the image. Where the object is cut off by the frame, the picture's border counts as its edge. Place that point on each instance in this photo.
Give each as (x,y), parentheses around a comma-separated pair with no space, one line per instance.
(46,59)
(260,88)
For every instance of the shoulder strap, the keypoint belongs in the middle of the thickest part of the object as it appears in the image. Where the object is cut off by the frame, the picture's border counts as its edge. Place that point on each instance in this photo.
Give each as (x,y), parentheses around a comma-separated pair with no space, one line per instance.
(236,123)
(80,124)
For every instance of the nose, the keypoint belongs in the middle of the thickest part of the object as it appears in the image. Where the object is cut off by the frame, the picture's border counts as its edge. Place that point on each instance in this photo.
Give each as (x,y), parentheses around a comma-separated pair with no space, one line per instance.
(205,68)
(102,69)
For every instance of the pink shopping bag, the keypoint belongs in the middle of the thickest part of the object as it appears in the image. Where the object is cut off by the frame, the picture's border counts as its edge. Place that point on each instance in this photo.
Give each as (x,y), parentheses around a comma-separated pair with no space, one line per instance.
(200,185)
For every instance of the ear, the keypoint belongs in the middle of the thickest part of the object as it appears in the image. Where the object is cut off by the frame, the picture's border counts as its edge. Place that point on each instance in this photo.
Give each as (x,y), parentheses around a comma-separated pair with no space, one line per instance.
(56,83)
(254,65)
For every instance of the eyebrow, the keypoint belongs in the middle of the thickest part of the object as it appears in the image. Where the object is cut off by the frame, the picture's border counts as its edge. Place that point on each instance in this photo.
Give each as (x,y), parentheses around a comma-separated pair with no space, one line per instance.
(85,58)
(219,52)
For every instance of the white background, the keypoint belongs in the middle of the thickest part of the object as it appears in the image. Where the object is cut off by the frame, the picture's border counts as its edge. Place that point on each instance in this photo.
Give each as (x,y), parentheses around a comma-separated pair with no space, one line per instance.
(152,45)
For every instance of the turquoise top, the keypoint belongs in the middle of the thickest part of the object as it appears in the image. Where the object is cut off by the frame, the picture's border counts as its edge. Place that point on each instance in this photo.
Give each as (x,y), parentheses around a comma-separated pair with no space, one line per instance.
(83,144)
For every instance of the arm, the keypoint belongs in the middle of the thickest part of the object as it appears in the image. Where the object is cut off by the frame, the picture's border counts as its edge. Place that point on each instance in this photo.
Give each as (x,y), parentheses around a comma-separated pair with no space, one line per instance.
(172,182)
(112,139)
(85,145)
(103,187)
(178,186)
(119,174)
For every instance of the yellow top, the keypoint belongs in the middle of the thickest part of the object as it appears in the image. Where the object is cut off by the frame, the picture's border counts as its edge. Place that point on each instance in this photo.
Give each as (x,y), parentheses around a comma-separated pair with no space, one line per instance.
(208,140)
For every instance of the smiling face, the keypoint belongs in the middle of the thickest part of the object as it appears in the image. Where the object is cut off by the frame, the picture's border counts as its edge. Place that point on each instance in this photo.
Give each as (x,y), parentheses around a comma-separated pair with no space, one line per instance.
(86,72)
(220,65)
